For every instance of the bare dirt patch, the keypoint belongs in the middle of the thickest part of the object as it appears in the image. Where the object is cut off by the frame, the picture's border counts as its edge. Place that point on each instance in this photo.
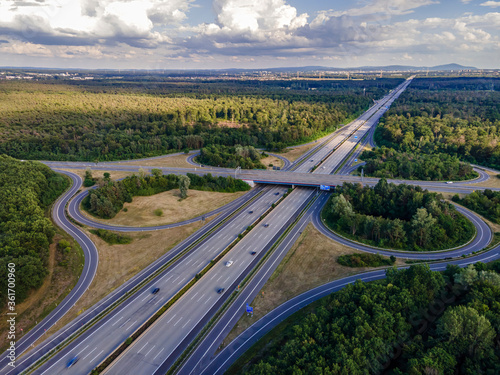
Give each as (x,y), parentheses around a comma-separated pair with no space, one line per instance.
(115,175)
(175,161)
(293,154)
(118,263)
(311,262)
(141,212)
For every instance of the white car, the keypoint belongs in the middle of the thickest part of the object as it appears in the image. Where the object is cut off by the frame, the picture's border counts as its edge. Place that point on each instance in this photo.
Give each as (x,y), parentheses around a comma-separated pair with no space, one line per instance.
(449,182)
(228,263)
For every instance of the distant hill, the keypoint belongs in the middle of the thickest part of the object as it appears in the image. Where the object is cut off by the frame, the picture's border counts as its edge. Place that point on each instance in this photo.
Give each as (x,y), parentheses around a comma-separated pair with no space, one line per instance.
(385,68)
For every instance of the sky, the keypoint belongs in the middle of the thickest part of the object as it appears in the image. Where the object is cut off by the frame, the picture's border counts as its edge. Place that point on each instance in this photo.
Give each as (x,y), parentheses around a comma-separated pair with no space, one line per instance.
(219,34)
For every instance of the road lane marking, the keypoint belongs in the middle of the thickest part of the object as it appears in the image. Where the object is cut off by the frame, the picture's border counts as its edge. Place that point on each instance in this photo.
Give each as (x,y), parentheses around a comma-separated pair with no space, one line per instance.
(93,359)
(178,321)
(135,321)
(185,324)
(158,353)
(226,279)
(180,281)
(174,280)
(195,295)
(82,350)
(198,300)
(117,321)
(149,350)
(89,353)
(121,325)
(171,318)
(208,299)
(142,347)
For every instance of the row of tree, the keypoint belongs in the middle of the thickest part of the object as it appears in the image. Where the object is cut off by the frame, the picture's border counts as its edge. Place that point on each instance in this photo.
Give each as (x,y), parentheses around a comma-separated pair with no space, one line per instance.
(415,321)
(108,198)
(69,122)
(463,120)
(246,157)
(398,216)
(486,203)
(389,163)
(26,190)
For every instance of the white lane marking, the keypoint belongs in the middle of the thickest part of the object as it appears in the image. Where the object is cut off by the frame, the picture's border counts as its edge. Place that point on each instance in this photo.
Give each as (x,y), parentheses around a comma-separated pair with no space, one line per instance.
(116,321)
(121,325)
(185,324)
(208,299)
(89,353)
(171,318)
(195,295)
(189,262)
(145,297)
(226,279)
(157,302)
(180,281)
(93,359)
(169,277)
(178,321)
(149,350)
(158,353)
(82,350)
(142,347)
(135,321)
(213,276)
(198,300)
(219,278)
(174,280)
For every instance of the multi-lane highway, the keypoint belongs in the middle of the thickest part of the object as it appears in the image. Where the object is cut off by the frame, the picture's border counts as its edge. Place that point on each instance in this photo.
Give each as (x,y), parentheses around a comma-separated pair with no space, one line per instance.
(156,350)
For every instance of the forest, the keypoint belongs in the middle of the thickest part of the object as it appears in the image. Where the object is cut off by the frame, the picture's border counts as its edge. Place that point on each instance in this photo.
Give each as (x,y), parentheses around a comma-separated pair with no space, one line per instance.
(103,121)
(246,157)
(108,198)
(454,116)
(415,321)
(389,163)
(396,216)
(26,190)
(486,203)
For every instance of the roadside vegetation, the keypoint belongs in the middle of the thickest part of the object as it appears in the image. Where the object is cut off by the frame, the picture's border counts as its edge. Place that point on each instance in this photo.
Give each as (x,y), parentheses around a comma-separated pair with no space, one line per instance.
(485,203)
(392,326)
(389,163)
(108,199)
(112,238)
(454,116)
(105,120)
(246,157)
(27,189)
(365,260)
(396,216)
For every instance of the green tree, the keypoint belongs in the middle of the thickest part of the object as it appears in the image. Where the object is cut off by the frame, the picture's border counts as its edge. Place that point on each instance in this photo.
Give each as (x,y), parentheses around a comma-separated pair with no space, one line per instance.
(422,224)
(184,182)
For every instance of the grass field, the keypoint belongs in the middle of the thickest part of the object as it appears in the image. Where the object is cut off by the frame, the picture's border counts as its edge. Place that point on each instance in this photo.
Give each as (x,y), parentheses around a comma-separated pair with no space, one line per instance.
(115,175)
(118,263)
(311,262)
(141,212)
(293,154)
(493,182)
(272,160)
(176,161)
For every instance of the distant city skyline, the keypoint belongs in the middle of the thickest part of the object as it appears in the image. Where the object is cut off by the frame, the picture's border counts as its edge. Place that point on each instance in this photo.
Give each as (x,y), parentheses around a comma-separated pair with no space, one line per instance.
(219,34)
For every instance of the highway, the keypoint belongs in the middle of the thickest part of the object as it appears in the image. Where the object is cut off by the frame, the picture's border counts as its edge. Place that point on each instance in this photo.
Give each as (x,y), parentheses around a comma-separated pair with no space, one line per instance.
(145,353)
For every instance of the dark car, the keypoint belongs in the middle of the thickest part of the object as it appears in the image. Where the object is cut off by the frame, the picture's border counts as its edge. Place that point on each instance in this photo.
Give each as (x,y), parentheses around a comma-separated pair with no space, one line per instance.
(220,290)
(250,212)
(72,361)
(266,225)
(253,253)
(155,290)
(277,193)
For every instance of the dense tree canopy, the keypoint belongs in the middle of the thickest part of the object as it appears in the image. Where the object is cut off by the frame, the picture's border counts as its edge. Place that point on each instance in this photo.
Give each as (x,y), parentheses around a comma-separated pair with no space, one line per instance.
(486,203)
(441,115)
(408,323)
(108,198)
(397,216)
(388,163)
(109,121)
(246,157)
(26,190)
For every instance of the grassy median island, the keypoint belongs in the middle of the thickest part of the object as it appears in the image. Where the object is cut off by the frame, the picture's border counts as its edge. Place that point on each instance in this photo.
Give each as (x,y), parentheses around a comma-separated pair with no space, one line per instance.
(110,197)
(401,217)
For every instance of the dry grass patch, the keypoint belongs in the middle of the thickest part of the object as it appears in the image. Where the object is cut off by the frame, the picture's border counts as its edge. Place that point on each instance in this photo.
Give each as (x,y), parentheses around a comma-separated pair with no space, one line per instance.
(293,154)
(493,182)
(311,262)
(143,211)
(175,161)
(118,263)
(277,162)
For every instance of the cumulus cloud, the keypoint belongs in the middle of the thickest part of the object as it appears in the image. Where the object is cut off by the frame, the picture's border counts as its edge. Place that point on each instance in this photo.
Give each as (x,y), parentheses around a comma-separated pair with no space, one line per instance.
(492,4)
(137,23)
(386,7)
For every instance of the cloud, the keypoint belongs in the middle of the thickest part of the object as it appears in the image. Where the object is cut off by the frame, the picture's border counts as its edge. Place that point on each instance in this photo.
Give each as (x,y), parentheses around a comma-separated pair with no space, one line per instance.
(386,7)
(492,4)
(137,23)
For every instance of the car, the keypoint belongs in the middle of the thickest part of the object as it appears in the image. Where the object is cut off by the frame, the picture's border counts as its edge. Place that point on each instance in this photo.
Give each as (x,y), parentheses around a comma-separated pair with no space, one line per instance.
(253,253)
(228,263)
(266,225)
(449,182)
(277,193)
(72,362)
(155,290)
(323,167)
(250,212)
(220,290)
(311,160)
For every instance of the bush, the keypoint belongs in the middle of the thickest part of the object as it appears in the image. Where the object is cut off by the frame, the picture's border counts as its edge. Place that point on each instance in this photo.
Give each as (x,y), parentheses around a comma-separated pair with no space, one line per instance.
(365,260)
(111,237)
(158,212)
